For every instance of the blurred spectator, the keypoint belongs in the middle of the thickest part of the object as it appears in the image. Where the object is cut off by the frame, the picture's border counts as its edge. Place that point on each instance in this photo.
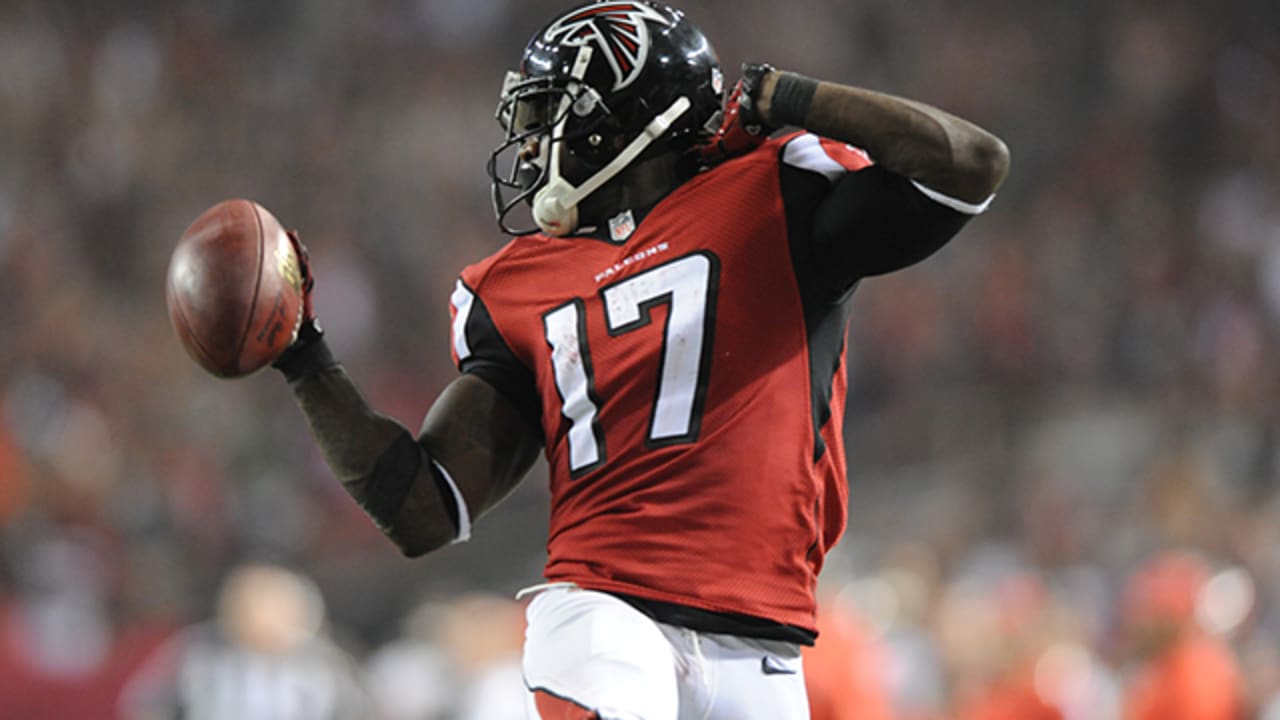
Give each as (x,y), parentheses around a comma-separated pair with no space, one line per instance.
(847,674)
(264,657)
(483,634)
(1011,696)
(13,476)
(411,677)
(456,659)
(1181,671)
(1001,626)
(61,652)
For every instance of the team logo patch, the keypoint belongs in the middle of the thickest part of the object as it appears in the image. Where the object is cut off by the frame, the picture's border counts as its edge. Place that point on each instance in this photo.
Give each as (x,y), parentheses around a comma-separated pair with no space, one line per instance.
(618,30)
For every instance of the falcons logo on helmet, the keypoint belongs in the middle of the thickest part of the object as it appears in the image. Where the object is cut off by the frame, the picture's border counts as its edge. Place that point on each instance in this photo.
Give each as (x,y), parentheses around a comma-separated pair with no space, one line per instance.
(617,29)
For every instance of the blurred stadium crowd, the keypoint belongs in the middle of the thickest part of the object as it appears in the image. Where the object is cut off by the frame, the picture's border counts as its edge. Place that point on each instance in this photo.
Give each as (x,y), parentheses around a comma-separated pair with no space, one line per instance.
(1064,430)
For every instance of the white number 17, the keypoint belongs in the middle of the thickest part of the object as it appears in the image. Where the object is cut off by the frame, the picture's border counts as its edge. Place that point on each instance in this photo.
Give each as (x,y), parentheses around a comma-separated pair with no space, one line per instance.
(688,286)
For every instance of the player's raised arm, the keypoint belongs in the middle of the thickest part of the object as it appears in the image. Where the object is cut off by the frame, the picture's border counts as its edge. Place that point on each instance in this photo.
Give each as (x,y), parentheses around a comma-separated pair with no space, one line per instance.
(937,149)
(423,491)
(930,173)
(238,293)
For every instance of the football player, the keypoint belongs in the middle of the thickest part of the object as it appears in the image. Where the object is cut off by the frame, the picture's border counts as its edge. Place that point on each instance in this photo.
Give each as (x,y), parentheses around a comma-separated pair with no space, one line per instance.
(670,333)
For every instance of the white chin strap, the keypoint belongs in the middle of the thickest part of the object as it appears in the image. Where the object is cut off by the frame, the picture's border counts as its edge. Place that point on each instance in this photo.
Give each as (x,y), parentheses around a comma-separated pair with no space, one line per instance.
(555,206)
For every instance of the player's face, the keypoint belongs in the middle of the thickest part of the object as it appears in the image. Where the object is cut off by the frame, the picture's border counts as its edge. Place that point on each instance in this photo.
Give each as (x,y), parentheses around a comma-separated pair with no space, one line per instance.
(531,120)
(542,117)
(518,166)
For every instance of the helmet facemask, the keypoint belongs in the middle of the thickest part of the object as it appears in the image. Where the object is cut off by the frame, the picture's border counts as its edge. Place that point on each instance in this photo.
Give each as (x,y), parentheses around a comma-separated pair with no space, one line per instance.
(544,113)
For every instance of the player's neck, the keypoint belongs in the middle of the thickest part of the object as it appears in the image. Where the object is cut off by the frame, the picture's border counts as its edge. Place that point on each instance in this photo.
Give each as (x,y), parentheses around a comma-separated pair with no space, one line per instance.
(639,186)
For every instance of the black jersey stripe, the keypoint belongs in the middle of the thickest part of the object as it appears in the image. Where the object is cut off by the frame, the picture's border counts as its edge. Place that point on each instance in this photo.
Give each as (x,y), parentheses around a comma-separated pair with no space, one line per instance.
(492,360)
(826,313)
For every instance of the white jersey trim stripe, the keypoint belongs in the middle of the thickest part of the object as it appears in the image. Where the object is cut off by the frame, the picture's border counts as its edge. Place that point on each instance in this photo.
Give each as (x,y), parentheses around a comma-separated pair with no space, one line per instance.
(806,153)
(462,300)
(464,515)
(957,205)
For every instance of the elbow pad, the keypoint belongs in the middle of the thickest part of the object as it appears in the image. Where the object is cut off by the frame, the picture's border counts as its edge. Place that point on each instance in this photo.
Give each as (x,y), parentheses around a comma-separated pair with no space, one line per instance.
(385,490)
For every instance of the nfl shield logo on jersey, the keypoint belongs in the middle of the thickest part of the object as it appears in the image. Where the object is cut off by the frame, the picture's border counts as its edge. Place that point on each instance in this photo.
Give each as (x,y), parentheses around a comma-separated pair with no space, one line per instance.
(622,226)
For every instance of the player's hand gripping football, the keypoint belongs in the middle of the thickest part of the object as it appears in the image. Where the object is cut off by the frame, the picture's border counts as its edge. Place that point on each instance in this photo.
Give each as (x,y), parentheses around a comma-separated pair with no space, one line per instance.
(308,329)
(308,316)
(741,127)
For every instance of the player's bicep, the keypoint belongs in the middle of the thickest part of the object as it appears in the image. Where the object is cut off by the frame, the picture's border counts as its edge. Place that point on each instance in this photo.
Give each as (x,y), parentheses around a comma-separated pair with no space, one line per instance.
(874,222)
(481,440)
(484,430)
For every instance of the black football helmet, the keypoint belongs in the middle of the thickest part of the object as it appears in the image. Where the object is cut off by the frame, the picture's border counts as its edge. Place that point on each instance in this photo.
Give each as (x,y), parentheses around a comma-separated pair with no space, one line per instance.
(605,83)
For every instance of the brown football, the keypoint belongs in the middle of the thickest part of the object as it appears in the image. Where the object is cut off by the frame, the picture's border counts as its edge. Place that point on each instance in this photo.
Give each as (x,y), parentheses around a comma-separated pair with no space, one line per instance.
(234,289)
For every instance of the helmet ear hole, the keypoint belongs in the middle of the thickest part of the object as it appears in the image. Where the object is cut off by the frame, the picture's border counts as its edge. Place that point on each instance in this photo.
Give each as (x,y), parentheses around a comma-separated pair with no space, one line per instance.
(595,143)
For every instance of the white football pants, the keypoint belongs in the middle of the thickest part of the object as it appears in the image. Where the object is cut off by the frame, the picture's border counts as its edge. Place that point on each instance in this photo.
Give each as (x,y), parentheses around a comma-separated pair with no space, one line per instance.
(601,653)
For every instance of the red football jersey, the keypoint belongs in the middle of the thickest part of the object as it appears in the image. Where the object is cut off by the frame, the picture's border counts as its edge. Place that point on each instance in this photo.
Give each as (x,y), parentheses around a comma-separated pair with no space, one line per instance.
(690,397)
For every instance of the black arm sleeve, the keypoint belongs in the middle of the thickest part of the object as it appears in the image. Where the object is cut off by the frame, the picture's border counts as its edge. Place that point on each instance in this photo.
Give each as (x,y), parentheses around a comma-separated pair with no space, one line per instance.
(868,222)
